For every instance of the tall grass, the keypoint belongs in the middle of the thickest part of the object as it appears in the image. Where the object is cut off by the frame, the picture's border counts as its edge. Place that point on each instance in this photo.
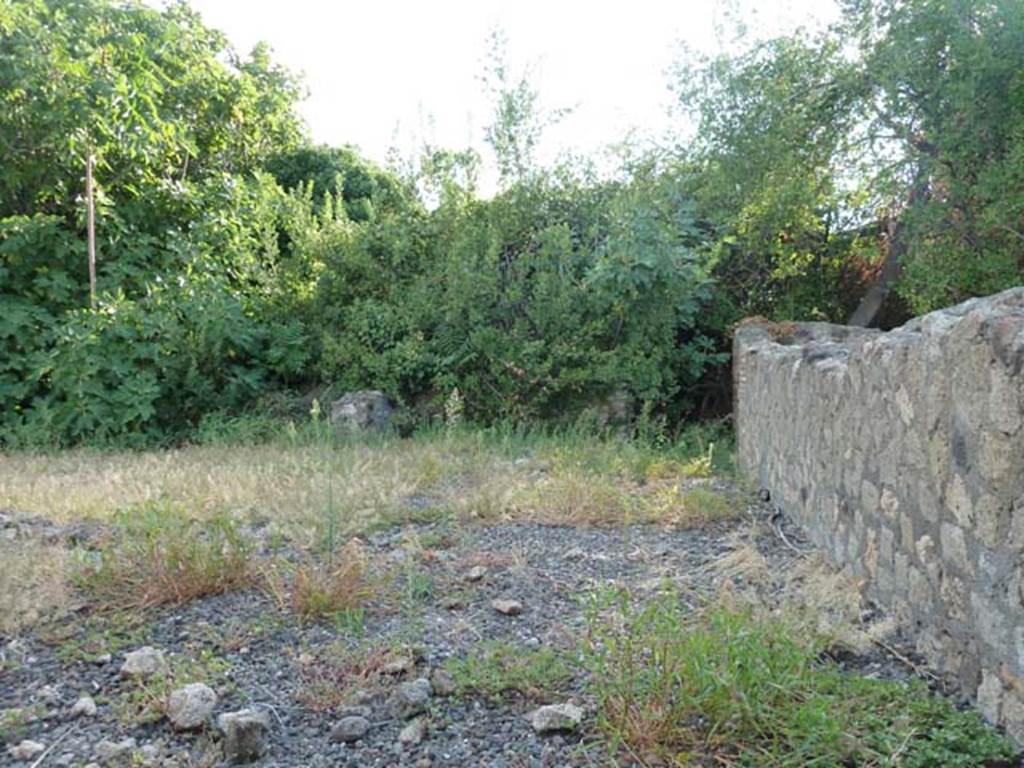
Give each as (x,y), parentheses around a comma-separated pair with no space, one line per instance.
(323,487)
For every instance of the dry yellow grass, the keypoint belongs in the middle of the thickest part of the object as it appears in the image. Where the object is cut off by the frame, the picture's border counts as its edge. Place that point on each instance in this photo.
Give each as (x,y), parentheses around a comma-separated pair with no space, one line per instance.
(317,589)
(811,591)
(33,583)
(274,480)
(361,484)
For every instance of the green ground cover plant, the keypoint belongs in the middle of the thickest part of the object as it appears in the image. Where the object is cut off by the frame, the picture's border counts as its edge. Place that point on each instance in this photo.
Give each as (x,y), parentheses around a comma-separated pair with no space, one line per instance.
(716,686)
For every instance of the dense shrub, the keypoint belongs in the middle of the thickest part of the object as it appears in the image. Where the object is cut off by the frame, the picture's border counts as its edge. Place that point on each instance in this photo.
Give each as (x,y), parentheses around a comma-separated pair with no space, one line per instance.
(237,262)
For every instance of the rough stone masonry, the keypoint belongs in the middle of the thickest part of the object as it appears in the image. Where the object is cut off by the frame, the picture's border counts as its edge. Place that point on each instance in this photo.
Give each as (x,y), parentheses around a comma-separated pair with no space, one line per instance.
(902,454)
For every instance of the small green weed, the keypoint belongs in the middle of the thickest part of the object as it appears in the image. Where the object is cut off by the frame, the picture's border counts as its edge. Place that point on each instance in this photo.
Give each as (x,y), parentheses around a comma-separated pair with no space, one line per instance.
(13,721)
(679,689)
(145,699)
(85,640)
(224,429)
(159,554)
(500,669)
(417,586)
(678,506)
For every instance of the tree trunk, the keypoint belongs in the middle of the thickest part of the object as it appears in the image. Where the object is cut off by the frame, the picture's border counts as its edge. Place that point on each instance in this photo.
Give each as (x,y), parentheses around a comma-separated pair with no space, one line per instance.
(871,303)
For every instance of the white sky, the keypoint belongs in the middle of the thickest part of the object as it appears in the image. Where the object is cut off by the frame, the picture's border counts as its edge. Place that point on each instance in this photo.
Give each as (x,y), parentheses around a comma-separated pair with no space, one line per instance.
(385,73)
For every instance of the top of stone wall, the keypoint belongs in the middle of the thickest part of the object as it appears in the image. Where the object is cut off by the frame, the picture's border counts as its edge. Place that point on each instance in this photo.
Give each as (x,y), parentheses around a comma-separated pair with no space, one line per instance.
(999,318)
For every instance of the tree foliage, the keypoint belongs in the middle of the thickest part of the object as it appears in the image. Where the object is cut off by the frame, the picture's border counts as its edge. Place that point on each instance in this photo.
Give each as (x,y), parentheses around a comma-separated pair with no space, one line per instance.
(237,261)
(180,127)
(892,136)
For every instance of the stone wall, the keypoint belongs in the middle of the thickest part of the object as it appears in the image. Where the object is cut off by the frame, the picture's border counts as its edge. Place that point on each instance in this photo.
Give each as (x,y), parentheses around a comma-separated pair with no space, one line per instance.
(902,454)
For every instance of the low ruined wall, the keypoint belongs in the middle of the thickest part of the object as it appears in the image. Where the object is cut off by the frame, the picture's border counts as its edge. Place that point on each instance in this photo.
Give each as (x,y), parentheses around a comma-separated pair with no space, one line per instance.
(902,454)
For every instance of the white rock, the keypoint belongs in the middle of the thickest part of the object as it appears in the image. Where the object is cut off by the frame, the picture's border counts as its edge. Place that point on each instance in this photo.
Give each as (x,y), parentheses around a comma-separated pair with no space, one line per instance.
(26,750)
(145,662)
(413,733)
(507,607)
(556,717)
(476,573)
(191,706)
(84,707)
(398,666)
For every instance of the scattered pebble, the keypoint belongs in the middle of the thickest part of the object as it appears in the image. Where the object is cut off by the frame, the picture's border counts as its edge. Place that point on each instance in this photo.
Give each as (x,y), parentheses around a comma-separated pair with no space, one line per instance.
(149,753)
(507,607)
(145,662)
(413,733)
(350,729)
(246,734)
(399,666)
(442,682)
(190,707)
(84,707)
(48,695)
(556,717)
(410,699)
(107,751)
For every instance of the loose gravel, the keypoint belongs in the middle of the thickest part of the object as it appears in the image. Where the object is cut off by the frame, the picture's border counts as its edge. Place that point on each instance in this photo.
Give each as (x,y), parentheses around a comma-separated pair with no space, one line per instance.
(457,588)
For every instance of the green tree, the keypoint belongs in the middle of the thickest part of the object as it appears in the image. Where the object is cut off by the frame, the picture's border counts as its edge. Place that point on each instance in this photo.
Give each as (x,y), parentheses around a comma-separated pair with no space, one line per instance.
(159,98)
(882,153)
(180,127)
(519,120)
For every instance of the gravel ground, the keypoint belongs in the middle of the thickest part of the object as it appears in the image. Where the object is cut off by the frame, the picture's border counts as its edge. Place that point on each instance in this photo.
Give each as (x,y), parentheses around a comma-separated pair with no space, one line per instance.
(266,660)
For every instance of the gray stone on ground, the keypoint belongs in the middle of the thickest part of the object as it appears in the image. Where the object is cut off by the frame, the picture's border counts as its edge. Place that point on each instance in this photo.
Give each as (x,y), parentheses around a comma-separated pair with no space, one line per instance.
(556,717)
(350,729)
(413,733)
(507,607)
(410,699)
(190,707)
(476,573)
(364,411)
(144,662)
(398,666)
(48,694)
(245,734)
(108,751)
(26,750)
(84,707)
